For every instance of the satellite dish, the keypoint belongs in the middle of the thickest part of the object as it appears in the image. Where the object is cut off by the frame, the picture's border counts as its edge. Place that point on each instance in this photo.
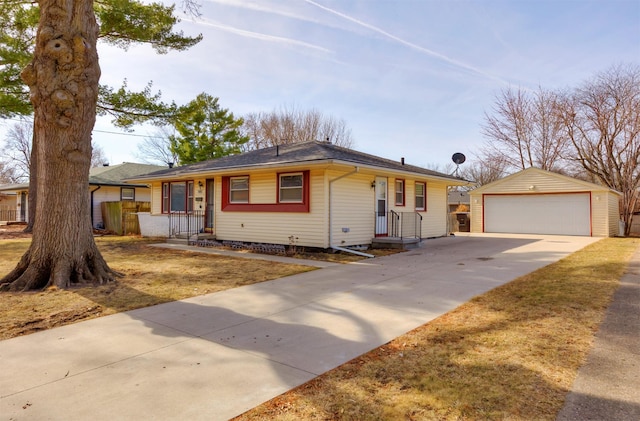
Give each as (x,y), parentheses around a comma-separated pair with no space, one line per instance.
(458,158)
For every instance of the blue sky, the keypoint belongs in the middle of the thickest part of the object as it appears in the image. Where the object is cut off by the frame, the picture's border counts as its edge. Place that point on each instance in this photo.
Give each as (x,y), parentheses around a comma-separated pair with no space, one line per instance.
(411,78)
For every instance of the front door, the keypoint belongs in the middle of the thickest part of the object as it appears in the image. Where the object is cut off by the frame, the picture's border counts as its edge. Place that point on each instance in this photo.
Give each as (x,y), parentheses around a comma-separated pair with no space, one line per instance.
(381,206)
(210,210)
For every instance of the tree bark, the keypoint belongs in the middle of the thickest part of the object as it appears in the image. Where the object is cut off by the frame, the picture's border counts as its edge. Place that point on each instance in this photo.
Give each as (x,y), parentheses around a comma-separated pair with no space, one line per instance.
(33,180)
(63,80)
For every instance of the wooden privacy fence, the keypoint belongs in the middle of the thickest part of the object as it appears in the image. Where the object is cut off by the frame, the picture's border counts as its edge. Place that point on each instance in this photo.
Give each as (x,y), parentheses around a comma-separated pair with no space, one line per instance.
(121,217)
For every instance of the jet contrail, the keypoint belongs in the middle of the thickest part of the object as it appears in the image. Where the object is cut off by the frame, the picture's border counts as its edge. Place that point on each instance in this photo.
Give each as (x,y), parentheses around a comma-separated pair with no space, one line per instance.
(406,43)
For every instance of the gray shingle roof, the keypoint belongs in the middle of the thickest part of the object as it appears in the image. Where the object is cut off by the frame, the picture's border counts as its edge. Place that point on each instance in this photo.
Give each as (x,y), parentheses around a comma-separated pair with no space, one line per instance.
(310,152)
(113,175)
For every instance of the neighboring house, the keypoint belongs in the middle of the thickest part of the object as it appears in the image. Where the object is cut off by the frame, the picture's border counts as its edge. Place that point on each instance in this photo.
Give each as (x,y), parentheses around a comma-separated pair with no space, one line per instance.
(534,201)
(105,185)
(7,207)
(457,198)
(635,220)
(311,194)
(14,202)
(459,220)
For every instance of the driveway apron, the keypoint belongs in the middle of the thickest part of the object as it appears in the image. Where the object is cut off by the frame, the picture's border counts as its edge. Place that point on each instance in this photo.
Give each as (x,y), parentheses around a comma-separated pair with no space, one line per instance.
(216,356)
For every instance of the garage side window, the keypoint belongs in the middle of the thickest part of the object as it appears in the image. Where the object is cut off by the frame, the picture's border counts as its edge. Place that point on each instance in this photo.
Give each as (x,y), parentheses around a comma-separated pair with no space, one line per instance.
(421,196)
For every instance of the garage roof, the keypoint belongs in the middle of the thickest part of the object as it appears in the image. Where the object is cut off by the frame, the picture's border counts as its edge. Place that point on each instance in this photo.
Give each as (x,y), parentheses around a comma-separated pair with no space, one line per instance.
(537,173)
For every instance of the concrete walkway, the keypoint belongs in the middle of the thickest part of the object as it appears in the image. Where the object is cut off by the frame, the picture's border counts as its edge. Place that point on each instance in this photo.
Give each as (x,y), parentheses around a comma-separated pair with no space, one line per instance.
(213,357)
(608,384)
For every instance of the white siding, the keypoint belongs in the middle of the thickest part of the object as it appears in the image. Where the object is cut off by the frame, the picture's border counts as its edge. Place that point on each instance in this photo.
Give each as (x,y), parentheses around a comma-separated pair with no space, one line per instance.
(613,211)
(535,182)
(434,218)
(103,194)
(112,194)
(308,229)
(476,212)
(156,198)
(605,222)
(352,208)
(434,221)
(603,206)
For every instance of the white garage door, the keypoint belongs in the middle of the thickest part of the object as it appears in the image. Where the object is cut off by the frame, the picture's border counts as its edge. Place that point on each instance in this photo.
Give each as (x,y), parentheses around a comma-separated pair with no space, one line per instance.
(563,214)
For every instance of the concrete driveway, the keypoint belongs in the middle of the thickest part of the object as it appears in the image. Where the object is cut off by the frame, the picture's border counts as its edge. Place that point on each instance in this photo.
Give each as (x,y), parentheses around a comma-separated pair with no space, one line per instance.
(215,356)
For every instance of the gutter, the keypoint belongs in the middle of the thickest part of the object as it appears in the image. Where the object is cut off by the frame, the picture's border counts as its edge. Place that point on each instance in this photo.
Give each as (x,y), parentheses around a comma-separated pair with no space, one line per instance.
(359,253)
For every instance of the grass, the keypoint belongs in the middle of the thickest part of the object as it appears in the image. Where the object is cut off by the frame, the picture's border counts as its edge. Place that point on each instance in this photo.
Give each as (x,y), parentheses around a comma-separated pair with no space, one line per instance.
(509,354)
(152,276)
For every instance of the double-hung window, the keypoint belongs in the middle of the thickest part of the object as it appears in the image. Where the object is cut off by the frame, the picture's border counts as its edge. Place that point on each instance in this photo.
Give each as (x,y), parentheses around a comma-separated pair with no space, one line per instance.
(421,196)
(127,193)
(239,189)
(399,192)
(290,188)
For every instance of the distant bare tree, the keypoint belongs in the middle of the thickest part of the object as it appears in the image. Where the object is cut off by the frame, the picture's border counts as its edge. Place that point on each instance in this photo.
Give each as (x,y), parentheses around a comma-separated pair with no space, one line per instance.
(448,168)
(524,130)
(602,120)
(291,125)
(484,170)
(98,157)
(17,150)
(7,174)
(156,149)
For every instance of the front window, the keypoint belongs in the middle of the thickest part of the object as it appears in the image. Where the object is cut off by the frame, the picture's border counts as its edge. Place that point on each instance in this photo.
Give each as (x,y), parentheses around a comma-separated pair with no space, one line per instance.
(400,192)
(127,193)
(177,197)
(421,198)
(239,190)
(290,188)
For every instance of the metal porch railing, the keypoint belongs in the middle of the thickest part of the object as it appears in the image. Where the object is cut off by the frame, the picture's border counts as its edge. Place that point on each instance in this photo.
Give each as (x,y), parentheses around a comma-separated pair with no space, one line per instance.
(398,224)
(186,225)
(8,215)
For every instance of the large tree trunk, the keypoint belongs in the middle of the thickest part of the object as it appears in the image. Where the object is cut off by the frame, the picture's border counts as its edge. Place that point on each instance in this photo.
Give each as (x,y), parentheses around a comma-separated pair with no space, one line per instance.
(33,181)
(63,79)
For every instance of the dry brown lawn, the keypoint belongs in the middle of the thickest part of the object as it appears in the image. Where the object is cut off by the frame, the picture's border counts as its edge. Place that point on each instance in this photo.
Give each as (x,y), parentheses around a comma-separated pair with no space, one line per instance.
(509,354)
(152,276)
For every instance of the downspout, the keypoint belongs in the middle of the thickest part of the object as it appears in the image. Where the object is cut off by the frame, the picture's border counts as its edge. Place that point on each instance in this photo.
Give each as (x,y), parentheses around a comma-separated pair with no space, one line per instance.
(359,253)
(93,191)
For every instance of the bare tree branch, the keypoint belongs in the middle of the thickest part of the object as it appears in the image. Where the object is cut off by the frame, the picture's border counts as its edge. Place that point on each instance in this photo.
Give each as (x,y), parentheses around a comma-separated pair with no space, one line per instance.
(602,120)
(291,125)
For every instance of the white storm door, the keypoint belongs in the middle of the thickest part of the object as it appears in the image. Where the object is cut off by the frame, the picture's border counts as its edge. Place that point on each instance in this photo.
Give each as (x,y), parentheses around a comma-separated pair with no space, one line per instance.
(210,209)
(381,206)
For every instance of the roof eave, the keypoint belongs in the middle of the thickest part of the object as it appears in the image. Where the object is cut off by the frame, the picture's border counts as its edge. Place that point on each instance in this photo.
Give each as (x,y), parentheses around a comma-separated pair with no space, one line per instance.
(316,162)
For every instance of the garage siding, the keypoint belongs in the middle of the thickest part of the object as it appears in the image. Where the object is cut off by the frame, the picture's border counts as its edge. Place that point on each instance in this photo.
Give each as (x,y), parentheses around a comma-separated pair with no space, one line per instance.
(613,212)
(532,182)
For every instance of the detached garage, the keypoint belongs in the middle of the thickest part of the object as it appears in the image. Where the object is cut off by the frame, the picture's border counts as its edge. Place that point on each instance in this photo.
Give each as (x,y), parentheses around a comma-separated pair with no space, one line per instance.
(535,201)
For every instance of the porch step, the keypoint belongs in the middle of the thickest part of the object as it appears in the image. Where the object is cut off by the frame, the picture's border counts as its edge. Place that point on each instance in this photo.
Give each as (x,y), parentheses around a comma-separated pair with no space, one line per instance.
(395,243)
(182,241)
(185,238)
